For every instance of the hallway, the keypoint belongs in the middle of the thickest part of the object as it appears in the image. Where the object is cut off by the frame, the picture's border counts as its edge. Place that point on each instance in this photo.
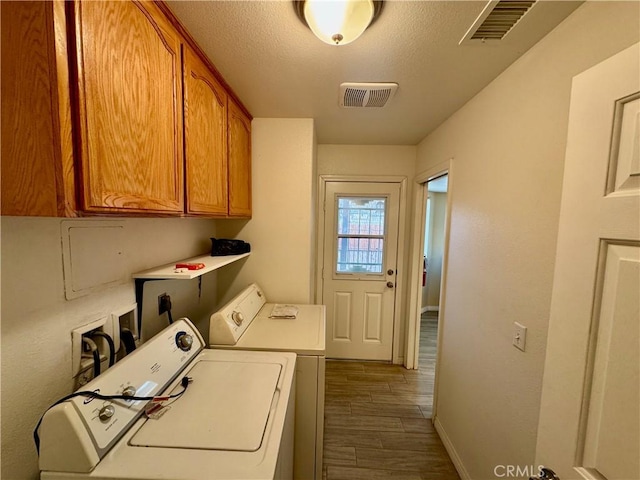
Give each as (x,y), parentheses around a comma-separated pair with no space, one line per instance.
(377,419)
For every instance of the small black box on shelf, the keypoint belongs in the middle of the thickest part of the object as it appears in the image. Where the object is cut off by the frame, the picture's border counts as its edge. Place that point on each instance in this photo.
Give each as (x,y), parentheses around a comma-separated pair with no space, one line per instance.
(226,246)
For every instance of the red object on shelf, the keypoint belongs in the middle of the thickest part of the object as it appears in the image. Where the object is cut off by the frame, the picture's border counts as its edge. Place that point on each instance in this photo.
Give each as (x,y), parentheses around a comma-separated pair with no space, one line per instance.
(190,266)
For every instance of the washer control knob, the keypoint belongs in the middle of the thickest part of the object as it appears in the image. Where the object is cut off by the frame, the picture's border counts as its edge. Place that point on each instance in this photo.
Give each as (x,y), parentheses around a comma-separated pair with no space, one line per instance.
(129,391)
(106,413)
(237,317)
(184,341)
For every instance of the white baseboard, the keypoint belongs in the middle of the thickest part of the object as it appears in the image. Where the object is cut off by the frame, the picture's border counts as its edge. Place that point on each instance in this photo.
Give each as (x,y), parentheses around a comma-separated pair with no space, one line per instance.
(455,458)
(430,309)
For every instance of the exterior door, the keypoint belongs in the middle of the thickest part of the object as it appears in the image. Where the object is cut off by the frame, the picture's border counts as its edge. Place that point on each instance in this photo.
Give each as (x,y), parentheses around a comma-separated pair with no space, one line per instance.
(590,412)
(359,271)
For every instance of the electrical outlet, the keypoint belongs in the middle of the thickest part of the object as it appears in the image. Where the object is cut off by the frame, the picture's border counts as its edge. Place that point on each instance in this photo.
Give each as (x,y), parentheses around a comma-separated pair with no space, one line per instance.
(78,363)
(519,336)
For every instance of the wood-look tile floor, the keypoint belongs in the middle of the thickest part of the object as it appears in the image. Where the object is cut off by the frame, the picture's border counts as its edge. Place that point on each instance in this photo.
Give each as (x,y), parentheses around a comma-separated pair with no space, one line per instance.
(378,419)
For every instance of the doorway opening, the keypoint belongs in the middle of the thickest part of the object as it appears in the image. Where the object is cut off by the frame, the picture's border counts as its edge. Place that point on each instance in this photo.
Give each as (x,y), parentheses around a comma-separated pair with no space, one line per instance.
(433,252)
(423,241)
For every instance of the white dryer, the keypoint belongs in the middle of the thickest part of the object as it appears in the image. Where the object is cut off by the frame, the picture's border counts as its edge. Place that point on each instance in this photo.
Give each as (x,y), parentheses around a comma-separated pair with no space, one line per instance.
(246,323)
(233,421)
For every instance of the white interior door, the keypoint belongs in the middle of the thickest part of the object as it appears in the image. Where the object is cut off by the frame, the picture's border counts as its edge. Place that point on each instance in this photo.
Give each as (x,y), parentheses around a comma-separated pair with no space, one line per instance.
(360,268)
(590,412)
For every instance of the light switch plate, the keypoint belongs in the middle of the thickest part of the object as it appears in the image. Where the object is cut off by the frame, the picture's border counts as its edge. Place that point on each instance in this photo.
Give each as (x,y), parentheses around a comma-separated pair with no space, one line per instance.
(519,336)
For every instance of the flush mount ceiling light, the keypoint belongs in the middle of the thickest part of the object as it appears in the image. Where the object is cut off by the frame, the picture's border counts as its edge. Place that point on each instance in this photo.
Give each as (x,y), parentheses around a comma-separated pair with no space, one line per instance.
(338,22)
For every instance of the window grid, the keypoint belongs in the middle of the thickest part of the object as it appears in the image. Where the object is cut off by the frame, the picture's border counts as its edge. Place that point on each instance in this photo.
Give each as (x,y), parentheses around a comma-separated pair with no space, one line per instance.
(361,232)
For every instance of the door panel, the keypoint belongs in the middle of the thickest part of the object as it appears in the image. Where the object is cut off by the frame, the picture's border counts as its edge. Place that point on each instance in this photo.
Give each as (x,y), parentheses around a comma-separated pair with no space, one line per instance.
(342,310)
(612,411)
(130,102)
(589,418)
(205,129)
(360,249)
(239,162)
(624,168)
(373,312)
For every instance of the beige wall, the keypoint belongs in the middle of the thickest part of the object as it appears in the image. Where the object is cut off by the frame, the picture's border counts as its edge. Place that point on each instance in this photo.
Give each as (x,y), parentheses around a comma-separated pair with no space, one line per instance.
(37,320)
(282,229)
(508,146)
(365,160)
(431,292)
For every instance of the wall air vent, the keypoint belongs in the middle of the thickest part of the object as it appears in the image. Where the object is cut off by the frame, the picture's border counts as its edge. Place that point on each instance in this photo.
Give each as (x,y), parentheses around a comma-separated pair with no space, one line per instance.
(496,20)
(354,95)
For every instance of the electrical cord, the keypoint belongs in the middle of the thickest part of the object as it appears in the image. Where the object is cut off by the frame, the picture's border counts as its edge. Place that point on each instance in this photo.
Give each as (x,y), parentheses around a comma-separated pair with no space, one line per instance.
(128,340)
(96,355)
(86,393)
(170,316)
(112,347)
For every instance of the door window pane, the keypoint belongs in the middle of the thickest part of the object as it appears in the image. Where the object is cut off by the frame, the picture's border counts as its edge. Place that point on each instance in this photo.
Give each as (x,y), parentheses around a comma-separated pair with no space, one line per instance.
(363,216)
(360,239)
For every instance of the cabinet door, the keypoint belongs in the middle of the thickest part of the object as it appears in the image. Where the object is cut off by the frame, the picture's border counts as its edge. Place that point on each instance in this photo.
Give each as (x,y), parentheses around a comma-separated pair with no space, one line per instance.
(239,162)
(37,151)
(205,131)
(130,108)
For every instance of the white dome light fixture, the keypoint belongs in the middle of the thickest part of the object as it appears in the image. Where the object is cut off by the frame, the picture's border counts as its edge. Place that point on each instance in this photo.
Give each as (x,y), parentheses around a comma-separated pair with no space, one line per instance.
(338,22)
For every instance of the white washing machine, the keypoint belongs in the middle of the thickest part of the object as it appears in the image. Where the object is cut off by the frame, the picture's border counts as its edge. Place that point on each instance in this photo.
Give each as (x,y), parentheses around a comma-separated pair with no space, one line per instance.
(246,323)
(233,421)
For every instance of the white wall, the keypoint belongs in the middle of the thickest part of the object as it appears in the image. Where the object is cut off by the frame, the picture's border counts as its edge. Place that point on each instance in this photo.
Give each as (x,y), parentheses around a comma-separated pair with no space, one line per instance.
(508,146)
(282,229)
(376,160)
(37,320)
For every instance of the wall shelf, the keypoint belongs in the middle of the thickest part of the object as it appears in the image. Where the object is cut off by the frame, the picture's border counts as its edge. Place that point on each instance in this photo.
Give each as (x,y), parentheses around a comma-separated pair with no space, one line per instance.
(167,272)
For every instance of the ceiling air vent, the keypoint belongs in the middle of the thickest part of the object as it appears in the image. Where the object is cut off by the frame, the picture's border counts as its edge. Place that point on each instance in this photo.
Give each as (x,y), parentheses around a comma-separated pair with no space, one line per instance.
(496,20)
(353,95)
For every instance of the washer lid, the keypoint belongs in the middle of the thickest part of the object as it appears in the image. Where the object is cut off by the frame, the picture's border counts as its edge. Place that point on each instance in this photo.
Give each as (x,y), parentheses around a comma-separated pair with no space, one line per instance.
(304,335)
(226,407)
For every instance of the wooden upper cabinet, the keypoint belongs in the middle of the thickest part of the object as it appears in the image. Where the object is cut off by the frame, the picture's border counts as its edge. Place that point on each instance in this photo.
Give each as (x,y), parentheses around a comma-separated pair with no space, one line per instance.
(205,138)
(37,150)
(129,108)
(239,125)
(94,113)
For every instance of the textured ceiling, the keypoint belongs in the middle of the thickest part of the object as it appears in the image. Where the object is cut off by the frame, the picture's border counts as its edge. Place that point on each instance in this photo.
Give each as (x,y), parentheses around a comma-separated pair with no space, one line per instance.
(279,69)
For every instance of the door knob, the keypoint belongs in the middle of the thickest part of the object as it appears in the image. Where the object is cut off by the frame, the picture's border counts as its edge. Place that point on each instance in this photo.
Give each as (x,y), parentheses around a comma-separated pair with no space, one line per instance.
(390,284)
(390,272)
(545,474)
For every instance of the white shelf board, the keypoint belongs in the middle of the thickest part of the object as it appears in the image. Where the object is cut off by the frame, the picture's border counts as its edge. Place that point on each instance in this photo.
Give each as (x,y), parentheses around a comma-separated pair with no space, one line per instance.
(168,271)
